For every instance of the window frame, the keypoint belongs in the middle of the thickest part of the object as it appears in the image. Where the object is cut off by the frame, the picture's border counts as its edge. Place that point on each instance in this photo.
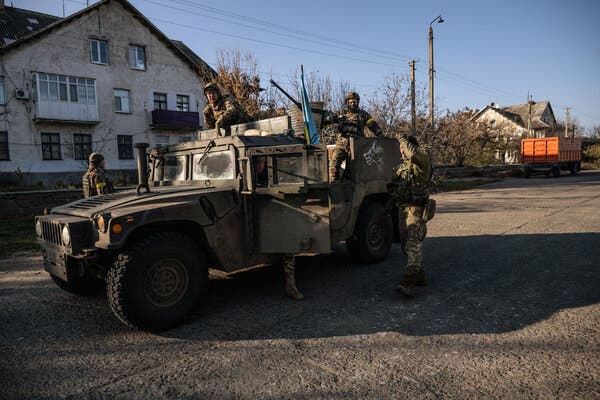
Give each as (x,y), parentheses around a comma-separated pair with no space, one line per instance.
(80,146)
(4,142)
(137,48)
(53,146)
(166,101)
(75,87)
(180,104)
(121,100)
(125,153)
(98,50)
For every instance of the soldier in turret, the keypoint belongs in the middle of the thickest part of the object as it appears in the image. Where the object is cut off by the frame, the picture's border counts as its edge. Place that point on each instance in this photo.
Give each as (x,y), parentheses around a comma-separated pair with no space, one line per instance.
(351,121)
(96,180)
(222,111)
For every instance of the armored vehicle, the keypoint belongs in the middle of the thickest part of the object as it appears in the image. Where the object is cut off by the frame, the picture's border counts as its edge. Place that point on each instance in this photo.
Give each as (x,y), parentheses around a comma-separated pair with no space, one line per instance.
(226,203)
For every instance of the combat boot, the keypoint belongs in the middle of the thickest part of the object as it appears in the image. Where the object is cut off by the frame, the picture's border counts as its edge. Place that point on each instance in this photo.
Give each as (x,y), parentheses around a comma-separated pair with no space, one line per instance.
(420,279)
(407,285)
(292,291)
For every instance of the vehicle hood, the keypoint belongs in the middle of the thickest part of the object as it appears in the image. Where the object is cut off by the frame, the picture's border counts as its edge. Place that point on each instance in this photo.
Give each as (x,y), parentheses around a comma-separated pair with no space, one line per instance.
(129,200)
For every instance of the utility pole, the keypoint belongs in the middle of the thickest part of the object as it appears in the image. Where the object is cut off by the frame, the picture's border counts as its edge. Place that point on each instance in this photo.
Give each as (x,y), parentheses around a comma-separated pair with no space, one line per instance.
(413,110)
(439,20)
(567,122)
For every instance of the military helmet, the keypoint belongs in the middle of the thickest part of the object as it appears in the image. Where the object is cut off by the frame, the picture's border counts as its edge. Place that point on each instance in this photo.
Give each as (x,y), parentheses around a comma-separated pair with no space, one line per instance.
(95,158)
(212,86)
(351,95)
(412,140)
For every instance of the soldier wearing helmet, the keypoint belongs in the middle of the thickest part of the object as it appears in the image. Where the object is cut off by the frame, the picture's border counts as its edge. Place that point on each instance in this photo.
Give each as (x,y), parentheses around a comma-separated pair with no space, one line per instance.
(351,121)
(222,111)
(96,180)
(410,192)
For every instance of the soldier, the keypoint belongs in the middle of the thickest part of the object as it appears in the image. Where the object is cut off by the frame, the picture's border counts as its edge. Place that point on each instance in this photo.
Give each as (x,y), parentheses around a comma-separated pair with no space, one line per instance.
(410,191)
(222,111)
(96,180)
(350,122)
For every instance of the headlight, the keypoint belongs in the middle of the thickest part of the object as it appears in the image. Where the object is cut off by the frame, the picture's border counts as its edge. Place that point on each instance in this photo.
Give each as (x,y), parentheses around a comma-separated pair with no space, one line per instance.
(102,222)
(38,228)
(65,235)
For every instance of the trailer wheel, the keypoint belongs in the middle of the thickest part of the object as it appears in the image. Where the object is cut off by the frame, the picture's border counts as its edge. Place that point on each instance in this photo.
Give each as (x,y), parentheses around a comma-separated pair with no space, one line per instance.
(527,172)
(157,282)
(373,233)
(555,170)
(574,168)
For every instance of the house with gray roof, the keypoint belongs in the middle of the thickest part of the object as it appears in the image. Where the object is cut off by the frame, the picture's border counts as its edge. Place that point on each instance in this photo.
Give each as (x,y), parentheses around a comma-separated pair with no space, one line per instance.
(533,119)
(98,80)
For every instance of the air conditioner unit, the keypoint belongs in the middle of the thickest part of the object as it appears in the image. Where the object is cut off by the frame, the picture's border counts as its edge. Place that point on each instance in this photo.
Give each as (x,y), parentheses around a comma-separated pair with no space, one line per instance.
(21,94)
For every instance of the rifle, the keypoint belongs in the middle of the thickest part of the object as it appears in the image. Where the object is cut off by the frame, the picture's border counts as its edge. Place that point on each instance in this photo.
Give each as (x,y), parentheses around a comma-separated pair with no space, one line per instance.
(293,100)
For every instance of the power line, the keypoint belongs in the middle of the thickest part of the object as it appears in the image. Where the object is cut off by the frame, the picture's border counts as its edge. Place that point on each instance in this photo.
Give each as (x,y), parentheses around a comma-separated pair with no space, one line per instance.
(274,44)
(238,24)
(257,21)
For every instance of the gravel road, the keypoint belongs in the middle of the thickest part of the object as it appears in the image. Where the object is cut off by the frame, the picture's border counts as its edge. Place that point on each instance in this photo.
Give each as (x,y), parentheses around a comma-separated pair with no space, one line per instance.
(512,312)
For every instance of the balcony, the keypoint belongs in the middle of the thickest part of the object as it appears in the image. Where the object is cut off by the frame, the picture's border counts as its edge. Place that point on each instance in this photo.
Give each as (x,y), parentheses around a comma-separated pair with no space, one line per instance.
(169,119)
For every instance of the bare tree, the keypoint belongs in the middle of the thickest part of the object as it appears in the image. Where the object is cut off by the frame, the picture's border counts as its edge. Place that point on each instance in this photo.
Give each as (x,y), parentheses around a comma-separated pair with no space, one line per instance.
(390,102)
(237,75)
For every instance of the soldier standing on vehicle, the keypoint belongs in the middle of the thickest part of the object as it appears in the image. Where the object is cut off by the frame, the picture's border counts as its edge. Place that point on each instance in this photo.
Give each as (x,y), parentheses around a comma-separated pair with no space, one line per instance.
(222,111)
(96,180)
(410,192)
(351,121)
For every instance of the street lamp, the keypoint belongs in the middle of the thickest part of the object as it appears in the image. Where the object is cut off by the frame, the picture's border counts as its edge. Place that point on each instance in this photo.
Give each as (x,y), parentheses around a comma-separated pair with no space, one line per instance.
(439,20)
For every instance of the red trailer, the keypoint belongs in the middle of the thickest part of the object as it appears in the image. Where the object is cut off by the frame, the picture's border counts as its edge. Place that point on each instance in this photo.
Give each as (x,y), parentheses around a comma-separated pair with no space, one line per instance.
(551,154)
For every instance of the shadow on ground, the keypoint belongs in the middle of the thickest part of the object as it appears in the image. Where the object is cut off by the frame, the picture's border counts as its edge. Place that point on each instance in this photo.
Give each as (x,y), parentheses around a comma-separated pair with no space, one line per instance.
(478,284)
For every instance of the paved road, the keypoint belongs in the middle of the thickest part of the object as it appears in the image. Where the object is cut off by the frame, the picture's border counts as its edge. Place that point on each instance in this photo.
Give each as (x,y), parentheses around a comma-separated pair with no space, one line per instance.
(512,312)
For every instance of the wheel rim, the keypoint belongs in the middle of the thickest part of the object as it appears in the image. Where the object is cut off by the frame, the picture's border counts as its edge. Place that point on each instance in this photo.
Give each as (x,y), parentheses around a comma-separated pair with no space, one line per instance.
(375,233)
(166,282)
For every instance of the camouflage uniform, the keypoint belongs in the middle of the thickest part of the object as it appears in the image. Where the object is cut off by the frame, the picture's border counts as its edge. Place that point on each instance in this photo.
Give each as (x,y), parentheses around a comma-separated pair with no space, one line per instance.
(288,261)
(413,177)
(96,181)
(224,112)
(349,122)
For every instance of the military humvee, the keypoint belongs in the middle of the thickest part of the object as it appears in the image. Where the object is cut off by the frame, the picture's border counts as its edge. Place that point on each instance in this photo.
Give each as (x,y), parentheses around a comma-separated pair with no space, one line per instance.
(226,203)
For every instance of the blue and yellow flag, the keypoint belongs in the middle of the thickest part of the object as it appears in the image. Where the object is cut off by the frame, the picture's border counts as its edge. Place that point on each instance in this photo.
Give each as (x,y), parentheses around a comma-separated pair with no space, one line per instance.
(310,129)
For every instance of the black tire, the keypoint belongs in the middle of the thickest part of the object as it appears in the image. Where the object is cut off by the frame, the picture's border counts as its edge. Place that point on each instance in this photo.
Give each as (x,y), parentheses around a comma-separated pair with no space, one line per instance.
(157,282)
(556,171)
(373,233)
(574,168)
(81,286)
(526,172)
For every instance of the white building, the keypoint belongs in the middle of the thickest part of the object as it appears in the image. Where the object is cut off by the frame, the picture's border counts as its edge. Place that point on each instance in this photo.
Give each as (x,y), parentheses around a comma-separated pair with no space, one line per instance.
(99,80)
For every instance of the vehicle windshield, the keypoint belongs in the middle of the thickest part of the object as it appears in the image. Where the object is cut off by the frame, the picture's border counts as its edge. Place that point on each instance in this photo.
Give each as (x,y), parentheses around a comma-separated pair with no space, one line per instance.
(215,165)
(171,168)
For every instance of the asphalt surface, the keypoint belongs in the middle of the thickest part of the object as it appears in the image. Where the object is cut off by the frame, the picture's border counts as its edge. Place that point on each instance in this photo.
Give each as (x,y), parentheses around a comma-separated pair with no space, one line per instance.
(512,312)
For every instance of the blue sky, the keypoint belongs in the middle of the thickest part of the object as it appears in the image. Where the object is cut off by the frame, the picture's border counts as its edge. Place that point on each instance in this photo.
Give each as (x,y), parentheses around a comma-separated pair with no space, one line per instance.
(485,51)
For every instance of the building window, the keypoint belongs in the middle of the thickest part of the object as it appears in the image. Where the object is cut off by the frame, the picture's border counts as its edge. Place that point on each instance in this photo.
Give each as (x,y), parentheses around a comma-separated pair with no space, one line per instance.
(183,102)
(54,87)
(137,57)
(121,100)
(160,101)
(82,146)
(51,146)
(99,51)
(4,146)
(125,144)
(2,97)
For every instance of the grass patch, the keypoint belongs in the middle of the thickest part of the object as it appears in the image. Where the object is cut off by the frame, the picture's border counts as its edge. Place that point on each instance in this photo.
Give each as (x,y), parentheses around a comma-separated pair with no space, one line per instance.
(590,166)
(17,234)
(444,185)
